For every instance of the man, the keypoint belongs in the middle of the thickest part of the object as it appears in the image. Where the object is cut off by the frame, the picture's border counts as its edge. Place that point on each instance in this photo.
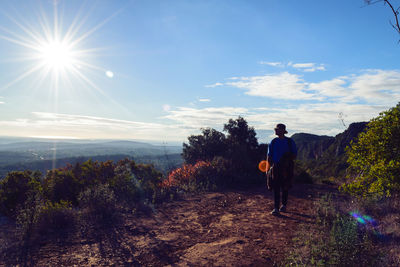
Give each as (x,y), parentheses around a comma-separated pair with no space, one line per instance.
(281,154)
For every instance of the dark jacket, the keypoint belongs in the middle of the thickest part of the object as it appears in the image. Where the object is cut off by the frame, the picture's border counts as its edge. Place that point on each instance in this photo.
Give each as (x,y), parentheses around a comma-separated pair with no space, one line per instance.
(283,172)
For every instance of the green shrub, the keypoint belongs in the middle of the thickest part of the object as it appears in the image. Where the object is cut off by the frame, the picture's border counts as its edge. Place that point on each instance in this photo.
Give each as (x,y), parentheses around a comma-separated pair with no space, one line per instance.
(136,183)
(98,205)
(62,185)
(349,244)
(147,180)
(124,187)
(15,189)
(325,211)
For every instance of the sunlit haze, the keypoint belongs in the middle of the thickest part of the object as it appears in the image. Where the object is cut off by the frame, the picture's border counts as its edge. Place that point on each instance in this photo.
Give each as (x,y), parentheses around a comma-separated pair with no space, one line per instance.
(162,70)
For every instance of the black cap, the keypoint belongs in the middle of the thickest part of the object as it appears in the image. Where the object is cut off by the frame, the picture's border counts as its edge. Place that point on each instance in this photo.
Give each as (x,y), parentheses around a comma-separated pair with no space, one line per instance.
(281,126)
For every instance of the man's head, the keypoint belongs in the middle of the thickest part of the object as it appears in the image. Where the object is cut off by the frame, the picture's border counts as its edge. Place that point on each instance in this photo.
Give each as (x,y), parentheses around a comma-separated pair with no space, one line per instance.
(280,129)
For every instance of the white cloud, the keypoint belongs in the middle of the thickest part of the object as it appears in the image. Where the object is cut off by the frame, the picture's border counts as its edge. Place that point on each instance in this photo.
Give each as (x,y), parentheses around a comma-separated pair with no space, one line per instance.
(214,85)
(1,102)
(336,88)
(281,86)
(204,100)
(377,86)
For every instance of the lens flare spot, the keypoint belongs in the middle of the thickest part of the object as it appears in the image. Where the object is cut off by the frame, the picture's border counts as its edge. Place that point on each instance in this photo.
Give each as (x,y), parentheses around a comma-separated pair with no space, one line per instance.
(358,217)
(109,74)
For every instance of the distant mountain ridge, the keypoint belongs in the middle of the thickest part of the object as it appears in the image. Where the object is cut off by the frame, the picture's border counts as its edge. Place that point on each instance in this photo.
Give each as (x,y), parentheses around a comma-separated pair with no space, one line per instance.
(43,154)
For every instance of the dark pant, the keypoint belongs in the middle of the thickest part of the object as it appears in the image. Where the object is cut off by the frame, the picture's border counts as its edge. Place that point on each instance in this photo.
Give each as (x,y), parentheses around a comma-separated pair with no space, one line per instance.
(277,195)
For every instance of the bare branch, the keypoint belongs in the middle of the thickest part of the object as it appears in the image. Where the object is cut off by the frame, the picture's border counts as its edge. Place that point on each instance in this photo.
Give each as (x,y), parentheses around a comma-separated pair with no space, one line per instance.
(395,25)
(395,13)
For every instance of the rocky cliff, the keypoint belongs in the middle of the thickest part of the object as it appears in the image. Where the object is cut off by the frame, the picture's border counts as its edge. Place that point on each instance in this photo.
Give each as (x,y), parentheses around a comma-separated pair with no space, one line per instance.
(324,156)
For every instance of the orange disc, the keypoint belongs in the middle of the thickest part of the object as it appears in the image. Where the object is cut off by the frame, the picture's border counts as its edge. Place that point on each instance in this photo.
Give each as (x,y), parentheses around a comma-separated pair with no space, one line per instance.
(262,166)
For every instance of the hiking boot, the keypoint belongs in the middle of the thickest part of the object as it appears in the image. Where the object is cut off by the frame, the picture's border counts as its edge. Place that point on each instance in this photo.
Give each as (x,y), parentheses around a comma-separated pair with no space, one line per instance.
(275,212)
(283,208)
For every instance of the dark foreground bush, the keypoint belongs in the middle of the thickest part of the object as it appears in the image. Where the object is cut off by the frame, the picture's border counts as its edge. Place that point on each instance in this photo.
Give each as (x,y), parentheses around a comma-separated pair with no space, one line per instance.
(37,218)
(56,218)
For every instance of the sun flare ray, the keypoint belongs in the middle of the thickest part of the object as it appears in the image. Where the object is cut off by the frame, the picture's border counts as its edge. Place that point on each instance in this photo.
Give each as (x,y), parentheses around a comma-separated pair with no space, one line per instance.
(55,51)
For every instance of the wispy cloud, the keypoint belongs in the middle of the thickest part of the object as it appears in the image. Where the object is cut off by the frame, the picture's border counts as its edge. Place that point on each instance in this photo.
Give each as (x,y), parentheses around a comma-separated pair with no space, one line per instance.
(204,100)
(193,118)
(1,102)
(45,118)
(80,126)
(307,67)
(273,64)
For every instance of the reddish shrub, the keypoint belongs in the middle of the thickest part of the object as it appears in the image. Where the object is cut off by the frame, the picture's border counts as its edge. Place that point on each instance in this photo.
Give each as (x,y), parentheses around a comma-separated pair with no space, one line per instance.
(188,173)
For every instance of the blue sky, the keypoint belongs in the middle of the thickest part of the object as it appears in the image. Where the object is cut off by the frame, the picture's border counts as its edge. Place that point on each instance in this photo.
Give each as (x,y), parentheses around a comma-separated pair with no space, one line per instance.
(161,70)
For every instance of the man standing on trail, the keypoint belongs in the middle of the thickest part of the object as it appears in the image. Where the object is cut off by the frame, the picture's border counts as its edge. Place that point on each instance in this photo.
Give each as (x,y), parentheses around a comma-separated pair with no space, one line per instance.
(281,154)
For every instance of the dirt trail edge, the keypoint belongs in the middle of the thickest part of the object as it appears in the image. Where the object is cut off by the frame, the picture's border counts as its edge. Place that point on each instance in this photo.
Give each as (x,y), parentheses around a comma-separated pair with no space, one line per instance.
(232,228)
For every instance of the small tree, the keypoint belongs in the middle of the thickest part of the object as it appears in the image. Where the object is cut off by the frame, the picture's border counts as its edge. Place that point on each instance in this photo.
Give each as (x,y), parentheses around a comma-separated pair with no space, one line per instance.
(375,158)
(243,149)
(209,144)
(239,133)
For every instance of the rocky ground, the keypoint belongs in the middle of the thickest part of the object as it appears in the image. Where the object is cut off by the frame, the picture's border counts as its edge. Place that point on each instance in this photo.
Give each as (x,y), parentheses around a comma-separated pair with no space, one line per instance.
(233,228)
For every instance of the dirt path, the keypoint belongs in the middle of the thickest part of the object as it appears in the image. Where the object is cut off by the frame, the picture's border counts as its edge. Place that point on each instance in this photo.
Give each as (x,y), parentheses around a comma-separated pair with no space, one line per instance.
(212,229)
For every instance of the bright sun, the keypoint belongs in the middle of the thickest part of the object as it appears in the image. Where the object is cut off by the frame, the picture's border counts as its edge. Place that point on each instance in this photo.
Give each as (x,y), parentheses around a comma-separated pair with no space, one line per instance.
(56,55)
(56,51)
